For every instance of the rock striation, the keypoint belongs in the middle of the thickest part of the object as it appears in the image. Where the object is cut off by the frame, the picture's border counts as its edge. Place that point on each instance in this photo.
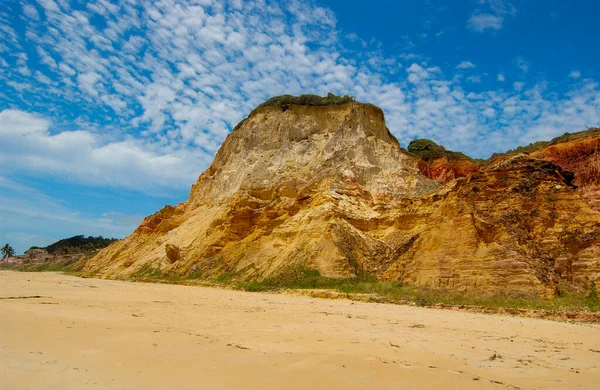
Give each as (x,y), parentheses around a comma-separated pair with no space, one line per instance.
(298,188)
(579,154)
(518,226)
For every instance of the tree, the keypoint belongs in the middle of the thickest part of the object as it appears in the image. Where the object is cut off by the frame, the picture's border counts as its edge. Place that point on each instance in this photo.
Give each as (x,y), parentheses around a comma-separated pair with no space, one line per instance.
(7,251)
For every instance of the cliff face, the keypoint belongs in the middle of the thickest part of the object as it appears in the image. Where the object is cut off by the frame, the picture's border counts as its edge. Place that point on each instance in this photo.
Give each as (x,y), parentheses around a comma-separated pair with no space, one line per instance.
(517,226)
(290,188)
(580,155)
(286,148)
(297,188)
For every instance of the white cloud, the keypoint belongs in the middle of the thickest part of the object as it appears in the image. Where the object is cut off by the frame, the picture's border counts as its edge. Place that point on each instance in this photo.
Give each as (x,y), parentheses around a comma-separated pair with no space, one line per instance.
(489,112)
(465,65)
(31,12)
(500,7)
(521,64)
(418,73)
(66,69)
(490,15)
(42,78)
(483,22)
(88,81)
(575,74)
(500,77)
(88,158)
(518,86)
(475,79)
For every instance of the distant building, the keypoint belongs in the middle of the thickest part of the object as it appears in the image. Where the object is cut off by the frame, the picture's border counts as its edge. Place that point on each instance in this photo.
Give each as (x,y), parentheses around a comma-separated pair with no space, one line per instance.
(38,254)
(16,259)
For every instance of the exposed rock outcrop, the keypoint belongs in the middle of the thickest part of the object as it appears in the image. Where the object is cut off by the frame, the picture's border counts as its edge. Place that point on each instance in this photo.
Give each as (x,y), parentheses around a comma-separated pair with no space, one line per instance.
(328,188)
(516,227)
(580,155)
(440,164)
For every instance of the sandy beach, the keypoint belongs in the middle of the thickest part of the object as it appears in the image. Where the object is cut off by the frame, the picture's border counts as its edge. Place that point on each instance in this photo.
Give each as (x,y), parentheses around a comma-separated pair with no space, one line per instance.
(64,332)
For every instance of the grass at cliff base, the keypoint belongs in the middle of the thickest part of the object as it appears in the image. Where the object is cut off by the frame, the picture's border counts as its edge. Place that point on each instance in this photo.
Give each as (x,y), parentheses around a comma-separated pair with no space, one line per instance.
(370,289)
(365,288)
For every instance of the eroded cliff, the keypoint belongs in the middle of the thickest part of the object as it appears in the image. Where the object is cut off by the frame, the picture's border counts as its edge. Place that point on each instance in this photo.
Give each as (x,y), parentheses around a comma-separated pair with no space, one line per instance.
(298,187)
(579,154)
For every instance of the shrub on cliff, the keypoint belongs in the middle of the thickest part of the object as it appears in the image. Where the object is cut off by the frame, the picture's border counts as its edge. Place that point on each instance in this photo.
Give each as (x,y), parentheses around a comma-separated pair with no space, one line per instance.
(308,100)
(429,150)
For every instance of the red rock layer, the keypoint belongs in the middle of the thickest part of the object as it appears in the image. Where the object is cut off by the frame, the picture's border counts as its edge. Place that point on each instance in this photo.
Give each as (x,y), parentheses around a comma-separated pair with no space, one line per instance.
(445,170)
(582,157)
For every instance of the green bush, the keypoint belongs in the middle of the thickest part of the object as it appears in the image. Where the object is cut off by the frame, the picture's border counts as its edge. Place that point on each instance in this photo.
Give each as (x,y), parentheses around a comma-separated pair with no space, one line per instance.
(308,100)
(429,150)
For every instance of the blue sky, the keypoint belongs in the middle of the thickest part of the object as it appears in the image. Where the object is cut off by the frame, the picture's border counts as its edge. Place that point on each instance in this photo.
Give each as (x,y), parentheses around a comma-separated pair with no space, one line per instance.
(111,109)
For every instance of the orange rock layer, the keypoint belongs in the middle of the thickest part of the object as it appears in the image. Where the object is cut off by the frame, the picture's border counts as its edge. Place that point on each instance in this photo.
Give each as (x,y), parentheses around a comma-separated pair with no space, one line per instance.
(445,170)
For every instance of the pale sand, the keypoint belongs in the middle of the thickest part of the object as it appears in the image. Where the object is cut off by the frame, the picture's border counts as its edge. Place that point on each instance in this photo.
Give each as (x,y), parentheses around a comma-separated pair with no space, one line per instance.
(120,335)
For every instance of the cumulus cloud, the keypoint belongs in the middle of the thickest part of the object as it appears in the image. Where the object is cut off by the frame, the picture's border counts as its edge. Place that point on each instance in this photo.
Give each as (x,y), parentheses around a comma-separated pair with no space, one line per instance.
(465,65)
(483,22)
(518,86)
(521,64)
(575,74)
(500,7)
(475,79)
(86,157)
(490,15)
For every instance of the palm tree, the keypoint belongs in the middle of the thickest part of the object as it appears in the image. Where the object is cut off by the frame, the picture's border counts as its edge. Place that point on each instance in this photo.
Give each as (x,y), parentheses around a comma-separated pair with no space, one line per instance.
(7,251)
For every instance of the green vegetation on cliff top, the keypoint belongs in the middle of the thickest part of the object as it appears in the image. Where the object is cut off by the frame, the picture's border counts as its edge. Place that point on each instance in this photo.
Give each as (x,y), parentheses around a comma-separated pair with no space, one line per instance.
(429,150)
(532,147)
(308,100)
(78,244)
